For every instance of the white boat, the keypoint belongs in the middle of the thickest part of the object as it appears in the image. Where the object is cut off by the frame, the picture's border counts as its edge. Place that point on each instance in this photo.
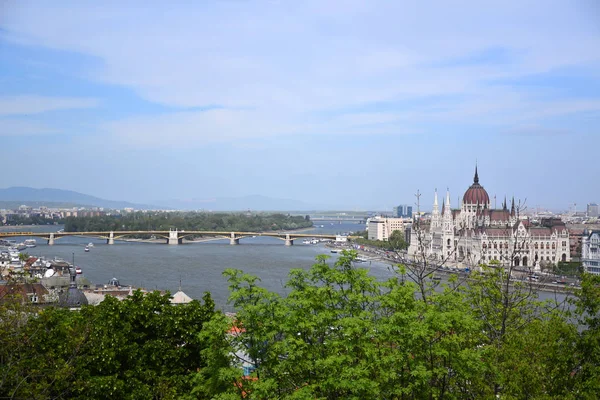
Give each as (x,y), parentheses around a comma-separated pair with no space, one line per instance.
(21,246)
(30,243)
(87,249)
(90,245)
(78,270)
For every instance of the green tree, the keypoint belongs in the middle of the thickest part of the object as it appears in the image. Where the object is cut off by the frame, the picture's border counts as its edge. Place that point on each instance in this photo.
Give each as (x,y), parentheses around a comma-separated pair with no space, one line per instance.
(587,312)
(397,241)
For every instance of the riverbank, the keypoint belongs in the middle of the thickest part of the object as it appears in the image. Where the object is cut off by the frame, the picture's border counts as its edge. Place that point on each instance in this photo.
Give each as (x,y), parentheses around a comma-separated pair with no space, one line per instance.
(395,259)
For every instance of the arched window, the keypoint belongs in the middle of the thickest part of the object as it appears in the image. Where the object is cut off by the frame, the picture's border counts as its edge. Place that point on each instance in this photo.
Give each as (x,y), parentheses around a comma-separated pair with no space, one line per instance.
(553,246)
(448,242)
(547,246)
(535,246)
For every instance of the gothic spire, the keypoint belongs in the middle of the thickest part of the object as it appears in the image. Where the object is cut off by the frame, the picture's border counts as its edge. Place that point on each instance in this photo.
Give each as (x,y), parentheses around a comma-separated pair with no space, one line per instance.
(512,207)
(476,177)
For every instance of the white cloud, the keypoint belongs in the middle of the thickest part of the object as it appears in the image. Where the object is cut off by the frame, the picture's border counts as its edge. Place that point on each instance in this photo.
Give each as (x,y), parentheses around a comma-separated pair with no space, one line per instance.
(278,67)
(27,105)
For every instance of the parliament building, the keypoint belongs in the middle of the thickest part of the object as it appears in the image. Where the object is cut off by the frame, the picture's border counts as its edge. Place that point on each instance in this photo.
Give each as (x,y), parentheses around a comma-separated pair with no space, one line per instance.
(475,234)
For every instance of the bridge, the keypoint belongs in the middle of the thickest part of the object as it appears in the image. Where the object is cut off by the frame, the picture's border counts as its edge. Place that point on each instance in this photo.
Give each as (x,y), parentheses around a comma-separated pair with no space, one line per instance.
(171,236)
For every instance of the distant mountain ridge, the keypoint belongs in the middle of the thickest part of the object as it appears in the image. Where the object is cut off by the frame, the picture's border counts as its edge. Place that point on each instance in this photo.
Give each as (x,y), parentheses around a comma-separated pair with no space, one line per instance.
(60,196)
(66,198)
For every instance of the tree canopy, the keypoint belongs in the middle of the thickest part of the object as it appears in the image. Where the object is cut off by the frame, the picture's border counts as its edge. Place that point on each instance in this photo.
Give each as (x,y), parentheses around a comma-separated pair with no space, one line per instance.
(336,332)
(204,221)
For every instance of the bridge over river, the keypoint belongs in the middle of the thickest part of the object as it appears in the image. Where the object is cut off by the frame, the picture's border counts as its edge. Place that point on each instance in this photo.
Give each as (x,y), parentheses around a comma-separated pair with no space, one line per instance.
(173,236)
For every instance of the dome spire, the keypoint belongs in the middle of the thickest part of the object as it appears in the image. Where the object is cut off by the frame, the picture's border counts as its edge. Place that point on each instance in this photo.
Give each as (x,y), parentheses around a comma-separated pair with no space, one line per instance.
(476,177)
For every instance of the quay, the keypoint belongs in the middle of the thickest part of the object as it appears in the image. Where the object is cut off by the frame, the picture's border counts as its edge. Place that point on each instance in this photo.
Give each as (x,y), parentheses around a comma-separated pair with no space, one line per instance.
(174,236)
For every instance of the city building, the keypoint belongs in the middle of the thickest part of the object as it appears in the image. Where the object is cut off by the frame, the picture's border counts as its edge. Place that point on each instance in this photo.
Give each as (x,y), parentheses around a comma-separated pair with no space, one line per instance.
(476,234)
(590,251)
(592,210)
(402,211)
(380,228)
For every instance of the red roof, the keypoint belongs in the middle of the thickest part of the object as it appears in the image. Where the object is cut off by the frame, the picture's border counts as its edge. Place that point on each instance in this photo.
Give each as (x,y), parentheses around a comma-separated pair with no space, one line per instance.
(476,194)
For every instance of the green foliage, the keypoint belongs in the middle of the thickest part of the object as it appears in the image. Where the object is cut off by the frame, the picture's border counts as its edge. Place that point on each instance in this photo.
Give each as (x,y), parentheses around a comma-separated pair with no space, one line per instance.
(15,220)
(142,347)
(395,242)
(587,311)
(163,221)
(570,268)
(336,333)
(339,333)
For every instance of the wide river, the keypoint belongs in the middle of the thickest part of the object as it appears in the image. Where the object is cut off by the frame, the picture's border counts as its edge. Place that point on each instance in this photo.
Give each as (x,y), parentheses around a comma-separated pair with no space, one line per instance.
(199,266)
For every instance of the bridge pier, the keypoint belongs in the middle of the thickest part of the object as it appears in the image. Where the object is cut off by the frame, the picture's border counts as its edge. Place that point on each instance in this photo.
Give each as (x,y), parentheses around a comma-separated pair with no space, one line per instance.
(288,241)
(51,240)
(233,240)
(173,237)
(111,238)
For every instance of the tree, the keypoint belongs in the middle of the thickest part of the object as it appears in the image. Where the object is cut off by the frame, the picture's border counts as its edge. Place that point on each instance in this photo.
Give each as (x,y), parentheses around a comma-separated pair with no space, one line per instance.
(397,241)
(587,312)
(141,347)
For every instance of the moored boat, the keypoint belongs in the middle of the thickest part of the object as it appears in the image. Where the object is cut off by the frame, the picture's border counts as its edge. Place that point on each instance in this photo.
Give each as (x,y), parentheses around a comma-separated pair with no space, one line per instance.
(30,243)
(87,249)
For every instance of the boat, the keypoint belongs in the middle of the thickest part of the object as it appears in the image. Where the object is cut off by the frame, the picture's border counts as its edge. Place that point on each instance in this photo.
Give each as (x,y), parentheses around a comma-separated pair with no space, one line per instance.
(30,243)
(87,249)
(78,270)
(21,246)
(90,245)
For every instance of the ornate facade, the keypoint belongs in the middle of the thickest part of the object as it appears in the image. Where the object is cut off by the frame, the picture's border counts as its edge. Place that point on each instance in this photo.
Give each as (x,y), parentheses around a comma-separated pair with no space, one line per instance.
(477,234)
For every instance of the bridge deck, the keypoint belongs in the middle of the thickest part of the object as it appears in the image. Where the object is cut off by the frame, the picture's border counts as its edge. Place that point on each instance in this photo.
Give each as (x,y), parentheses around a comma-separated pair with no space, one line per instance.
(105,234)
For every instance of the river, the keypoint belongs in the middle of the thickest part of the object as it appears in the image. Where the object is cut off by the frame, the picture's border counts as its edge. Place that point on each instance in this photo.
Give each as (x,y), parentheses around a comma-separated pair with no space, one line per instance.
(198,266)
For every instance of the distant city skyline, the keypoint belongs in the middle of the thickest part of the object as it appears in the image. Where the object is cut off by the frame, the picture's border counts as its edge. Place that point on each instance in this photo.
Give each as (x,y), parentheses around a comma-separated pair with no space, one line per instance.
(353,104)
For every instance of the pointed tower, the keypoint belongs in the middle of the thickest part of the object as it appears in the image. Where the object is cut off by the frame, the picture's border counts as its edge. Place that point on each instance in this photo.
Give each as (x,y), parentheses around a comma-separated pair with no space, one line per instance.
(435,214)
(512,207)
(448,228)
(448,223)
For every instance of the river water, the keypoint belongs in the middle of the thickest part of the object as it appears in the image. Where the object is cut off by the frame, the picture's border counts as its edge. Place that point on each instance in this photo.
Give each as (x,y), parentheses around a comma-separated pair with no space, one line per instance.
(198,266)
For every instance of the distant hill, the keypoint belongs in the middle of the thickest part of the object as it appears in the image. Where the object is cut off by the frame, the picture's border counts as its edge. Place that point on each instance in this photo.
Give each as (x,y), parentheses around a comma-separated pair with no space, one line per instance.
(37,197)
(253,202)
(13,197)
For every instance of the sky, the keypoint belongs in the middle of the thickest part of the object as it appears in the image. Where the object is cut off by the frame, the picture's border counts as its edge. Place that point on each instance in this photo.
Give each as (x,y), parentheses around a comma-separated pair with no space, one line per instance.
(344,103)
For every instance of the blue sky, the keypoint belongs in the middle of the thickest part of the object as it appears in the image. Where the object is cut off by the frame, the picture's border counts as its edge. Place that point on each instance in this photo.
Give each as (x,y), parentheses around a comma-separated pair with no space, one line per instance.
(347,103)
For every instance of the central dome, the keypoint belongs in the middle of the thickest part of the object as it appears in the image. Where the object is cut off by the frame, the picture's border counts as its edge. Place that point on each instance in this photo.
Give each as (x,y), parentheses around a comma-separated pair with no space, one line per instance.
(476,194)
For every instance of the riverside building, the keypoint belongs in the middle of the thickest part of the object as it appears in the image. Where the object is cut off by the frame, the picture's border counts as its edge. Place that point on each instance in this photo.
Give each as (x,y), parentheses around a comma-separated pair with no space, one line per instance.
(590,252)
(380,228)
(475,233)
